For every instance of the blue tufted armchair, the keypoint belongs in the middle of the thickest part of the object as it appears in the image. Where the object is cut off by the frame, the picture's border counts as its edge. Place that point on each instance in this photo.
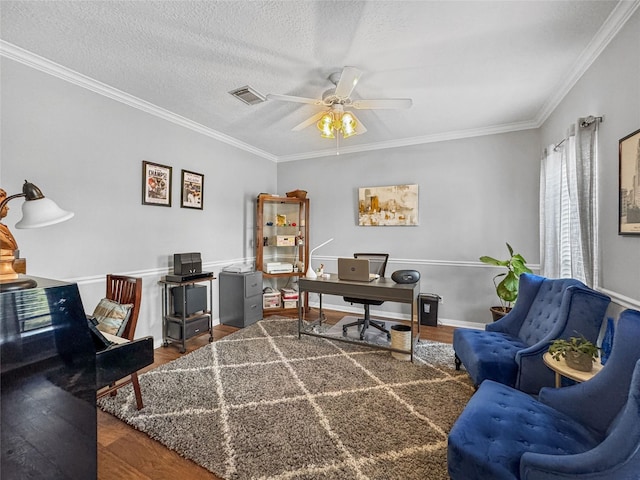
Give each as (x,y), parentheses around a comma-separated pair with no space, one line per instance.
(510,350)
(586,431)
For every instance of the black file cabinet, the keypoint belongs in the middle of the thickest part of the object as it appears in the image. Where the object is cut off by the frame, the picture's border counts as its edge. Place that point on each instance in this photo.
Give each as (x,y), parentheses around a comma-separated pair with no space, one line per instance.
(240,298)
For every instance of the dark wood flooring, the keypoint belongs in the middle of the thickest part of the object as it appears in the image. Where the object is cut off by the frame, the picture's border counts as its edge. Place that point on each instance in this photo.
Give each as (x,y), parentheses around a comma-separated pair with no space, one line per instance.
(126,453)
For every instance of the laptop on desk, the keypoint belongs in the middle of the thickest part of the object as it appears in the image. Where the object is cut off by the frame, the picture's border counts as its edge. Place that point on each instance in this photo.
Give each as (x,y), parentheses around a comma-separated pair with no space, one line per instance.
(355,269)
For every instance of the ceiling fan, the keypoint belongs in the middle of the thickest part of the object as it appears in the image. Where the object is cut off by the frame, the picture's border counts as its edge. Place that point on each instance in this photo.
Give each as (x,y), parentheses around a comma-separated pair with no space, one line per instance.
(335,119)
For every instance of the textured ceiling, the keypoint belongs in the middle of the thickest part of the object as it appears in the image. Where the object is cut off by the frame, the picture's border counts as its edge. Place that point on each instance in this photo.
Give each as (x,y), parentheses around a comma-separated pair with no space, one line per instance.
(470,67)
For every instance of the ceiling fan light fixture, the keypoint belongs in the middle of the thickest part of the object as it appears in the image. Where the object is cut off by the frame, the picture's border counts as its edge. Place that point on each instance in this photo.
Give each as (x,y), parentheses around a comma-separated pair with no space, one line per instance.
(335,120)
(348,125)
(325,125)
(327,133)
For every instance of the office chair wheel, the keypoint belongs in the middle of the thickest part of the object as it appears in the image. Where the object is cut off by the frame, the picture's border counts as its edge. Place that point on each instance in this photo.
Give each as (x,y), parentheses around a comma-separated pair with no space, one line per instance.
(344,331)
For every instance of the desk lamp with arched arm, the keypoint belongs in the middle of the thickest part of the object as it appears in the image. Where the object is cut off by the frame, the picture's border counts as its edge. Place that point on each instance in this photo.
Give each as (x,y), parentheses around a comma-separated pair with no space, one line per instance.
(310,273)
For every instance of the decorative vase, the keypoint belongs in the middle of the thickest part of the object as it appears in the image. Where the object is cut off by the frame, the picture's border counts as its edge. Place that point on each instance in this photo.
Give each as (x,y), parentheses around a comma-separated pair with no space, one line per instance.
(607,341)
(579,361)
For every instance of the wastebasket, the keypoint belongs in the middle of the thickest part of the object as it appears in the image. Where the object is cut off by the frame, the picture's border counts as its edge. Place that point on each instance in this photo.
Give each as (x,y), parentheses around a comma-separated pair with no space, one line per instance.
(428,305)
(401,339)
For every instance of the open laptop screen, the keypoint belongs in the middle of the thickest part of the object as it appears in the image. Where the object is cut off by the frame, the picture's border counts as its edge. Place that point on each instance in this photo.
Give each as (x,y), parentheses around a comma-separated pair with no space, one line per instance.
(355,269)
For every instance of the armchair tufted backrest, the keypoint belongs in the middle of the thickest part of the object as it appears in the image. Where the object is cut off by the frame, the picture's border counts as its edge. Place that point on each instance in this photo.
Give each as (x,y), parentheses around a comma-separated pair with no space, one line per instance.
(597,402)
(545,310)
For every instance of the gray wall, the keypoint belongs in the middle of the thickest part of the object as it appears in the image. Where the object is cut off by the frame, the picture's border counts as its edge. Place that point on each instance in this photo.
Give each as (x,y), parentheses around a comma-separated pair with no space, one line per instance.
(85,151)
(610,87)
(475,194)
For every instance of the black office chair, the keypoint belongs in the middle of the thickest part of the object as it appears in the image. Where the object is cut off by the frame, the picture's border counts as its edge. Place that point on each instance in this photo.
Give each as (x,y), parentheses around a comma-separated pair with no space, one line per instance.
(377,265)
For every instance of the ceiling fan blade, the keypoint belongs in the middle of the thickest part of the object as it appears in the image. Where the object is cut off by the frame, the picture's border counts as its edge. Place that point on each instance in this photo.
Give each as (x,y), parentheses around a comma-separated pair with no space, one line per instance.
(291,98)
(309,121)
(360,128)
(388,103)
(348,80)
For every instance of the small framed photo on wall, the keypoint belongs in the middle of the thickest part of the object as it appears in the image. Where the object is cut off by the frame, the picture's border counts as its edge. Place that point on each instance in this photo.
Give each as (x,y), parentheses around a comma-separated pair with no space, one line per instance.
(192,190)
(156,184)
(629,215)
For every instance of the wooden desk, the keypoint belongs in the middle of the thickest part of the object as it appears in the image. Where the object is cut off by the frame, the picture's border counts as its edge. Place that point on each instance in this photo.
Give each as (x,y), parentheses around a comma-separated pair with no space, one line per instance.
(383,289)
(561,369)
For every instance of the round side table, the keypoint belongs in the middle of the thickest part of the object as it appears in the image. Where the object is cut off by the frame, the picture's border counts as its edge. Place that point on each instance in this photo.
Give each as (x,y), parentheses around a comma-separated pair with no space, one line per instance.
(561,369)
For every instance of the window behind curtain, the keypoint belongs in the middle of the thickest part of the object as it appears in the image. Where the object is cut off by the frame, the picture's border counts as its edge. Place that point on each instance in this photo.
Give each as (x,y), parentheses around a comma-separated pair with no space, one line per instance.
(568,206)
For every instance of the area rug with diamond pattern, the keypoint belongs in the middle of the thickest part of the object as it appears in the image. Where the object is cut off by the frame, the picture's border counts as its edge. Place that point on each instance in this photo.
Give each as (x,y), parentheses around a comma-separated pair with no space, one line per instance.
(263,404)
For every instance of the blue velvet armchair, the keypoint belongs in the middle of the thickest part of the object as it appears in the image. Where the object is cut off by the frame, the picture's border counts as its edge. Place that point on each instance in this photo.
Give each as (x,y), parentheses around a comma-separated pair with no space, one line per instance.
(586,431)
(510,350)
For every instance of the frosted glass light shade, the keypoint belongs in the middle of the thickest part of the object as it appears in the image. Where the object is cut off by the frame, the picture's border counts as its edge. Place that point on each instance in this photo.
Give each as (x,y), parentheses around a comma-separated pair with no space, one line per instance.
(348,125)
(42,212)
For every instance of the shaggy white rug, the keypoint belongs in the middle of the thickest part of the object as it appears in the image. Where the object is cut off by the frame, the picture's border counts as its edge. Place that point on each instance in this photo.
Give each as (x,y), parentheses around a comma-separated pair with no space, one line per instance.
(262,404)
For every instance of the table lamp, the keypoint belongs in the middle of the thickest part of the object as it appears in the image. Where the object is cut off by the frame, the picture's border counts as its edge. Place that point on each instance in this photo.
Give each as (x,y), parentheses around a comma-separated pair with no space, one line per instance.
(37,211)
(310,273)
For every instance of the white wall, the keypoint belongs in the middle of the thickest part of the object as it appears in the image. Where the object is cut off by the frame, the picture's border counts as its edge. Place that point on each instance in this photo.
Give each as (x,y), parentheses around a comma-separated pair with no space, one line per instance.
(610,87)
(475,194)
(85,151)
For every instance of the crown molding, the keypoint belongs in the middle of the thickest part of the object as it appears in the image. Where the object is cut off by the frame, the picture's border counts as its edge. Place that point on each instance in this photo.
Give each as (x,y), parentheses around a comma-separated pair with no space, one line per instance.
(406,142)
(37,62)
(612,25)
(609,29)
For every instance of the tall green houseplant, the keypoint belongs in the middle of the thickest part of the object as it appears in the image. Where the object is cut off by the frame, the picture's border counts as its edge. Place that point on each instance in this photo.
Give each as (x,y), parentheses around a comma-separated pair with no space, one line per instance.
(507,288)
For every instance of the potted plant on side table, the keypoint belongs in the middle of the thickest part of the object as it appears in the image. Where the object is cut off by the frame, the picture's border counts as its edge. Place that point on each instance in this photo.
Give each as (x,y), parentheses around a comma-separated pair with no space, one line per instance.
(578,352)
(507,288)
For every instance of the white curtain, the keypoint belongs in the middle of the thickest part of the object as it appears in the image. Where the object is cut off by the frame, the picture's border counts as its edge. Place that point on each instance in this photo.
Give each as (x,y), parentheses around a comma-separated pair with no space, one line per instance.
(569,206)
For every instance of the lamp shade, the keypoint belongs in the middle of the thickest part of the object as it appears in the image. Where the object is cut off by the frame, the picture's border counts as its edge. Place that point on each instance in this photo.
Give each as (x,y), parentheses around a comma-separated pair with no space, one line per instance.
(325,125)
(41,212)
(348,125)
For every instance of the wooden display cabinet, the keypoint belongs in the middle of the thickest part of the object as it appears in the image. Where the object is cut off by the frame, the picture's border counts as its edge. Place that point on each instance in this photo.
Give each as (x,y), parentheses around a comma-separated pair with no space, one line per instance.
(282,237)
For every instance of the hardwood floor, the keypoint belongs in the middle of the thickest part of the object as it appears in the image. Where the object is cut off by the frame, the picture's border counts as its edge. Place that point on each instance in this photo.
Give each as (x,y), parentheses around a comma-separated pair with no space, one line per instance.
(125,453)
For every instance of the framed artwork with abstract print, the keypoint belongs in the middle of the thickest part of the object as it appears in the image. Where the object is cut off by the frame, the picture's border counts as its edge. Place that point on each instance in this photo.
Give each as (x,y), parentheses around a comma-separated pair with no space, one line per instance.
(156,184)
(192,190)
(395,205)
(629,153)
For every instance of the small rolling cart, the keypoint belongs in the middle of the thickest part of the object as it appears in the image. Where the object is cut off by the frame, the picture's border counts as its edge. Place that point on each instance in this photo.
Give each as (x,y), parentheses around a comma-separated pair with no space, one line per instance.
(186,309)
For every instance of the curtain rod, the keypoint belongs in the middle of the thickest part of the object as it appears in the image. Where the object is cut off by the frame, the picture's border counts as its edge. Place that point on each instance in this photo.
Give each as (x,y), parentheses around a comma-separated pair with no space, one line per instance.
(584,123)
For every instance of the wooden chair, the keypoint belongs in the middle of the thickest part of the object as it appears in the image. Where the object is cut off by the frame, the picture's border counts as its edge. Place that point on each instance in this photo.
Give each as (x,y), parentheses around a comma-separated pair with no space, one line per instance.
(125,290)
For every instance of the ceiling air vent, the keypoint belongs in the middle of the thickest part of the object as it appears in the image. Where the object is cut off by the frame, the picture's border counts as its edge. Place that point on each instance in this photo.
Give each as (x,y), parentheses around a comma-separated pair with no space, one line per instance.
(248,95)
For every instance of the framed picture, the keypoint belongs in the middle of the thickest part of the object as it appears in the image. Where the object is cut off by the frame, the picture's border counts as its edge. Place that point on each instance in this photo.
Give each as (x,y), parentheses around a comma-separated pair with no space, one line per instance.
(629,152)
(392,205)
(156,184)
(192,190)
